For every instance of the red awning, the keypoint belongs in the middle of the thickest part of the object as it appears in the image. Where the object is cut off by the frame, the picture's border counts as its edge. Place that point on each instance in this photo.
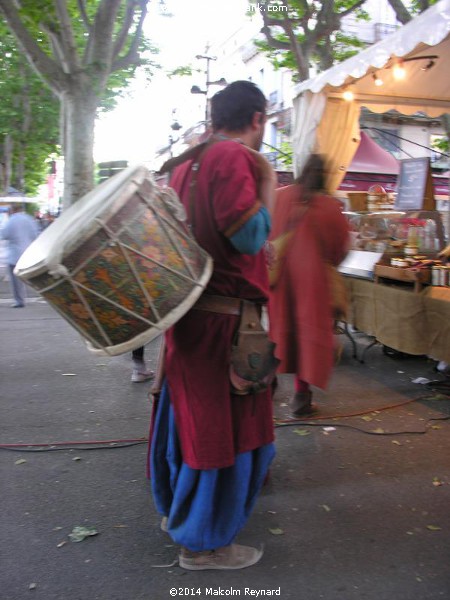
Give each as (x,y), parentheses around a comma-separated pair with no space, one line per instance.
(372,158)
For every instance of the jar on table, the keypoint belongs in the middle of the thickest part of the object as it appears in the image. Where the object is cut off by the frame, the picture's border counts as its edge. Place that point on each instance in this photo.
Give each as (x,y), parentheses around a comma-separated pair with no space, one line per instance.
(410,250)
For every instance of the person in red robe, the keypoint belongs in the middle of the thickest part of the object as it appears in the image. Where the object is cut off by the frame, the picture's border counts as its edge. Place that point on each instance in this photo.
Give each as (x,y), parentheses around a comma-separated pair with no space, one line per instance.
(300,308)
(211,449)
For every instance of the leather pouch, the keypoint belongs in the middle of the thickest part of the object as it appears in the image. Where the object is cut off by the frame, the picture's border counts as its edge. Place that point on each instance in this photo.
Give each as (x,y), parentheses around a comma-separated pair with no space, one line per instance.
(253,363)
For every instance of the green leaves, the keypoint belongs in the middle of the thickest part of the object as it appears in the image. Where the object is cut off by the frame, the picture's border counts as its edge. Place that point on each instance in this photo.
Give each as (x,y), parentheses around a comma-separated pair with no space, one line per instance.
(80,533)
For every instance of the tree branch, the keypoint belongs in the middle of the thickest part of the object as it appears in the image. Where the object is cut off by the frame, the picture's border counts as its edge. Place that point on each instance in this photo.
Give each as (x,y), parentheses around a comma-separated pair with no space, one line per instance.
(83,13)
(99,50)
(279,44)
(300,58)
(43,65)
(400,10)
(347,11)
(132,56)
(123,34)
(67,39)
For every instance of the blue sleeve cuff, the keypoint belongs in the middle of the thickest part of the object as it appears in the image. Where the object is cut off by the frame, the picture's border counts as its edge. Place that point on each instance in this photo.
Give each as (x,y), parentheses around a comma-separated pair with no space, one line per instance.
(250,238)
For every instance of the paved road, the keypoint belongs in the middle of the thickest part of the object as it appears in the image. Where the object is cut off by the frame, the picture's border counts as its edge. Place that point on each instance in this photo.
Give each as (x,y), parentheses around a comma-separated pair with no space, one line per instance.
(356,508)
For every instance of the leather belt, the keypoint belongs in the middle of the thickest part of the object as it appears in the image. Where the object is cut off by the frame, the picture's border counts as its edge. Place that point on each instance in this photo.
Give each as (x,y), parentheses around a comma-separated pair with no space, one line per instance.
(223,305)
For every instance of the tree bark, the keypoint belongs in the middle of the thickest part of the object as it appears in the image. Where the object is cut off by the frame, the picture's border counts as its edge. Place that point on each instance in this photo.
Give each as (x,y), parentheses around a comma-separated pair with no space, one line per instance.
(79,79)
(80,109)
(401,12)
(7,162)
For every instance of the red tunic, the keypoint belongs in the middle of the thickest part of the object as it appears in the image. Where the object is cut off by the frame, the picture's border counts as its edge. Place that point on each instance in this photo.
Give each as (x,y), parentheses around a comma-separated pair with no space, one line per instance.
(212,424)
(301,322)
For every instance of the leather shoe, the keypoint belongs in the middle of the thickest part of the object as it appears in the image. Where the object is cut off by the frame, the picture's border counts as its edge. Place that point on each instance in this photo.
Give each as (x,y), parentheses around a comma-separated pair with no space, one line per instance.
(301,405)
(229,557)
(17,305)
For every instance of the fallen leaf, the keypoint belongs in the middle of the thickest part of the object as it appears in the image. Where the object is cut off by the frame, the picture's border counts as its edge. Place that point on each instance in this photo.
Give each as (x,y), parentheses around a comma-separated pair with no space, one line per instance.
(68,374)
(61,544)
(21,461)
(276,531)
(436,427)
(329,428)
(302,432)
(172,564)
(437,481)
(76,458)
(378,430)
(366,418)
(433,528)
(325,507)
(79,533)
(32,586)
(438,397)
(396,442)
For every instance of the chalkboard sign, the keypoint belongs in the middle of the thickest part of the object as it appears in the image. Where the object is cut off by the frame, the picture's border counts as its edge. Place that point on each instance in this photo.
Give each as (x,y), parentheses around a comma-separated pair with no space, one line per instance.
(415,185)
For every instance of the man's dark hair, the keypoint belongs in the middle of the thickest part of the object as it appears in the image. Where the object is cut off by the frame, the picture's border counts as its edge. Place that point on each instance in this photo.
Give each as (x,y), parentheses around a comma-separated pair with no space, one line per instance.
(233,107)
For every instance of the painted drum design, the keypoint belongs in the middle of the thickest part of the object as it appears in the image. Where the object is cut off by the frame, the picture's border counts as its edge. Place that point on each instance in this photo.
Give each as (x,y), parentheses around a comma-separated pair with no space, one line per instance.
(120,265)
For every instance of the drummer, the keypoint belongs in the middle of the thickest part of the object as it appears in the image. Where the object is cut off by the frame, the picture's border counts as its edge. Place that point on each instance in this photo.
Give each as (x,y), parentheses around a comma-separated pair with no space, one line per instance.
(207,490)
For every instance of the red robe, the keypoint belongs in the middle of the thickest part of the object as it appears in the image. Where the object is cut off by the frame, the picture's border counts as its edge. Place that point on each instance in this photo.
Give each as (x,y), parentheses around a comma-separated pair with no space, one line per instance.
(301,321)
(212,424)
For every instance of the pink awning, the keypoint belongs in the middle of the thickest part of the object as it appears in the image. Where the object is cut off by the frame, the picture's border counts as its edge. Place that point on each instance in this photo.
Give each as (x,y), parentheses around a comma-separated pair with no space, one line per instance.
(372,158)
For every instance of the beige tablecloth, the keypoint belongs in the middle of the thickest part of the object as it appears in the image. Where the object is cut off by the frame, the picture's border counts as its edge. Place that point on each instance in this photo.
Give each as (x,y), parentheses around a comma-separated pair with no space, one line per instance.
(411,322)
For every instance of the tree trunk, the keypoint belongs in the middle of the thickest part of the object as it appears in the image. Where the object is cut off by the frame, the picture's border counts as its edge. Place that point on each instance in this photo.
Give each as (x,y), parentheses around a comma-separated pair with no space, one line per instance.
(19,170)
(25,104)
(7,162)
(80,108)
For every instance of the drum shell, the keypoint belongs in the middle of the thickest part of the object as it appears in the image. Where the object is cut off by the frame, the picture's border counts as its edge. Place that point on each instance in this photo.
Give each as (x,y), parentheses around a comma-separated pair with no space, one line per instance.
(120,270)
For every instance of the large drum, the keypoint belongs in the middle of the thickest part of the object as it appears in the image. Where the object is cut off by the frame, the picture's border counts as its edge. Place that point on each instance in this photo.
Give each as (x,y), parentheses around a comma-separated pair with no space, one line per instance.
(120,264)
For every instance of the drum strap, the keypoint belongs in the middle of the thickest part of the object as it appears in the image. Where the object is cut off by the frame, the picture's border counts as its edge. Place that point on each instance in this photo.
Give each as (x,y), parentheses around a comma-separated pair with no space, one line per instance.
(195,154)
(189,154)
(193,184)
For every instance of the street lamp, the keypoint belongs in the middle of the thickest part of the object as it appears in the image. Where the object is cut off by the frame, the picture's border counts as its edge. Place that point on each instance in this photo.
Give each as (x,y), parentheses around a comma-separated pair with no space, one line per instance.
(195,89)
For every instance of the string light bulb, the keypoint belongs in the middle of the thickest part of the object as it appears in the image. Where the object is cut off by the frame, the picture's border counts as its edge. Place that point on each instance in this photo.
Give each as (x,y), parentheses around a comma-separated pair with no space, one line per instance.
(377,81)
(348,95)
(399,71)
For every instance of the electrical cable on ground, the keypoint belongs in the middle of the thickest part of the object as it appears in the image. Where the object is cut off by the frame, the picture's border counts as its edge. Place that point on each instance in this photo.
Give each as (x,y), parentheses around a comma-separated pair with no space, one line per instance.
(347,426)
(347,415)
(308,422)
(86,445)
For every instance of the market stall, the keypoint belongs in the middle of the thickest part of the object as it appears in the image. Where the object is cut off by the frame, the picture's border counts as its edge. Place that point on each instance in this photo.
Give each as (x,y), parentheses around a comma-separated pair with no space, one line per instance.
(327,107)
(371,164)
(412,64)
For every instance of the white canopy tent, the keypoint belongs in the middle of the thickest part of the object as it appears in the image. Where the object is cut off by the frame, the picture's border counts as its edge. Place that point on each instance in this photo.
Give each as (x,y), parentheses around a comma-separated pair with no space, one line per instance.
(325,122)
